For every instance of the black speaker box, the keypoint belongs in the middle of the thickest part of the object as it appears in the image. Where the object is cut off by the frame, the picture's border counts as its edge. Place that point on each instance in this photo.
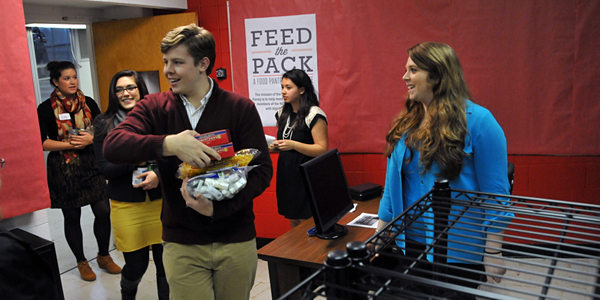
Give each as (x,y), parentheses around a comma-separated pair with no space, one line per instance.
(46,250)
(365,191)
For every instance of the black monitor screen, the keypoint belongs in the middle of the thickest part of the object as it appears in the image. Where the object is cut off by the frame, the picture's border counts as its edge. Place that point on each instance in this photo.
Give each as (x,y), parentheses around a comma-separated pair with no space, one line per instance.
(327,190)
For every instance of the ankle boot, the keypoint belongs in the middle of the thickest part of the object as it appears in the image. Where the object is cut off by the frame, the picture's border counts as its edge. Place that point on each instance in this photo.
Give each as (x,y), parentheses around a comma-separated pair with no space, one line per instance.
(86,271)
(129,288)
(163,288)
(107,263)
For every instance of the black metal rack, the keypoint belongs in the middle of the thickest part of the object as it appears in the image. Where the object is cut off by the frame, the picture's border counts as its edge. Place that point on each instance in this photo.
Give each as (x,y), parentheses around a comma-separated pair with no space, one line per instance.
(551,250)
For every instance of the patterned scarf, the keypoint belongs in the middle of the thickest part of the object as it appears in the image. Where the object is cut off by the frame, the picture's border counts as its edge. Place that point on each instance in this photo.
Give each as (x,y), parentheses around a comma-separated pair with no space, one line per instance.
(82,120)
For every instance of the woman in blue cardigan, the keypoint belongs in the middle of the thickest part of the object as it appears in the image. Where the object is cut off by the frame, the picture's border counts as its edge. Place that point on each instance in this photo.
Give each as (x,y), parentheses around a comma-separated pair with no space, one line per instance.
(442,134)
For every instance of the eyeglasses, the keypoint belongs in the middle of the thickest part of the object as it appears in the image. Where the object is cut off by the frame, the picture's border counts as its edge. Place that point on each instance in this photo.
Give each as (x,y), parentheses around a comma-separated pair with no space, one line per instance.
(130,88)
(3,162)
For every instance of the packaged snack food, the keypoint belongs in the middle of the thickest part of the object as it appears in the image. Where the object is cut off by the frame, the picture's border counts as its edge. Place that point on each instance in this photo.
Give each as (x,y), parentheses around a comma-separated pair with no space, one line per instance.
(219,185)
(241,159)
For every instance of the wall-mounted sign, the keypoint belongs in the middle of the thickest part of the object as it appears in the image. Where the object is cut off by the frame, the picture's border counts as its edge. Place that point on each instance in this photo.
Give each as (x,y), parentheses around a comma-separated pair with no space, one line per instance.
(274,46)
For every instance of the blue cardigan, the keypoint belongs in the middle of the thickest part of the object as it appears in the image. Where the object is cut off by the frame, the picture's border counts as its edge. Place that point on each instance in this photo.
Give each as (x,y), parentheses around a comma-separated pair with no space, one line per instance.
(484,170)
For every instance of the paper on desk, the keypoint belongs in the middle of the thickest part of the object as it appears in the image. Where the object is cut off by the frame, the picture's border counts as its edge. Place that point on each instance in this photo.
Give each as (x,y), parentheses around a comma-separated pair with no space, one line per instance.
(365,220)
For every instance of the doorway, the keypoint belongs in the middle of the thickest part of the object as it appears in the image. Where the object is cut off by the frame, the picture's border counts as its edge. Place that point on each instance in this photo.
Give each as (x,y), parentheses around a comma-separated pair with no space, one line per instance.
(59,42)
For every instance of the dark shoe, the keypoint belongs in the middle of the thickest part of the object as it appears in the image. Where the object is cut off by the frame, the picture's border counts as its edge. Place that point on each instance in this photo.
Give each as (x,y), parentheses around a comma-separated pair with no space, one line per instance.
(107,263)
(163,288)
(86,271)
(129,288)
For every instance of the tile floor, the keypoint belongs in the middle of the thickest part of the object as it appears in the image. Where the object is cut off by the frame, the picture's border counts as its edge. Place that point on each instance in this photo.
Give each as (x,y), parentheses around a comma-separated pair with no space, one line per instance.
(106,286)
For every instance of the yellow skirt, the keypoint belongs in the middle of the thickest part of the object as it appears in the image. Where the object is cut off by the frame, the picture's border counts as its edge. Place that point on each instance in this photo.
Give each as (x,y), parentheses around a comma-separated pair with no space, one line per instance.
(136,224)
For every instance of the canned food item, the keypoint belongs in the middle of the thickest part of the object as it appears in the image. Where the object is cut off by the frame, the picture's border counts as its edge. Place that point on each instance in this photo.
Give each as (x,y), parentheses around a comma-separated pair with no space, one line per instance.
(138,171)
(73,131)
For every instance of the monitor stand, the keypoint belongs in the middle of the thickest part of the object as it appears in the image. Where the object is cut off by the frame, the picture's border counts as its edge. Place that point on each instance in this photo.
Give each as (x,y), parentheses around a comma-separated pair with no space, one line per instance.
(336,231)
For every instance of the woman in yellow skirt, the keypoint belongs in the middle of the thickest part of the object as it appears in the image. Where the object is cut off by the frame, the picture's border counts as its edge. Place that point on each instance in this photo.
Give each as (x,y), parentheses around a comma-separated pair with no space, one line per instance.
(136,198)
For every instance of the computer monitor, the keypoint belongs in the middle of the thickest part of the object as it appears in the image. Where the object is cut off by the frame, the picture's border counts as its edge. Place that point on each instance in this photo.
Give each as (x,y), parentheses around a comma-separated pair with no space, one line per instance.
(328,193)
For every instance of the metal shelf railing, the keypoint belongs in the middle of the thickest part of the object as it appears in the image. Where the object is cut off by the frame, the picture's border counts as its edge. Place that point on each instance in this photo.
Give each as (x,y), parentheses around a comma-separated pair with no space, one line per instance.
(551,250)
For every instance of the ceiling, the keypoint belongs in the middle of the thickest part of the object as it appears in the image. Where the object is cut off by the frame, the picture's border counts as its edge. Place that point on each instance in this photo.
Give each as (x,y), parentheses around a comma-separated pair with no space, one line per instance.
(82,11)
(70,3)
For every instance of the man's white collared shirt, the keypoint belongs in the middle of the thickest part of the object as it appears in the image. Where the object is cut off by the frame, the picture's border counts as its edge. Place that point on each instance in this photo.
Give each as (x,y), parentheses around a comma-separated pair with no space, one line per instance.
(194,114)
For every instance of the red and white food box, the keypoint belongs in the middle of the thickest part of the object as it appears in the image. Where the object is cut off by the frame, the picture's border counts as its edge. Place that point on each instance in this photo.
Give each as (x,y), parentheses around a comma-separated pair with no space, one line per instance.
(214,138)
(225,150)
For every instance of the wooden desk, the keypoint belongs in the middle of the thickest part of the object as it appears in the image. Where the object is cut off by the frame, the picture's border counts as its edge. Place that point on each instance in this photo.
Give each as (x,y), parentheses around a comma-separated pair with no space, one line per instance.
(290,253)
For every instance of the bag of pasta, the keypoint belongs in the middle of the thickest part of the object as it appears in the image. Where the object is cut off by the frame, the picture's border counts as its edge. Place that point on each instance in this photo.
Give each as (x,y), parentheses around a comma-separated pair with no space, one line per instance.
(241,159)
(219,185)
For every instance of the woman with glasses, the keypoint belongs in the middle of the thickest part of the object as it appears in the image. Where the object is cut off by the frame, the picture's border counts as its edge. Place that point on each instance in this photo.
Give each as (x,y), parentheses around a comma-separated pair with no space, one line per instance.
(136,199)
(74,179)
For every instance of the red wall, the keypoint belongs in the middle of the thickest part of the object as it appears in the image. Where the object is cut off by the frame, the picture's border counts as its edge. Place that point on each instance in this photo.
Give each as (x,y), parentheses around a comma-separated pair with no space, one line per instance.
(212,15)
(534,65)
(24,183)
(574,178)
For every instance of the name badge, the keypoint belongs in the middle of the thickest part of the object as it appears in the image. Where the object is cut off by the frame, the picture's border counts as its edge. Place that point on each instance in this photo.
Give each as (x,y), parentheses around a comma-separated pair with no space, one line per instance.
(65,116)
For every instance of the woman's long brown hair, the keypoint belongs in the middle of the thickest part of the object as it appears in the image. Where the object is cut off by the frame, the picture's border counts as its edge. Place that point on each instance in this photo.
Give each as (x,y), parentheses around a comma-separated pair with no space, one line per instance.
(439,132)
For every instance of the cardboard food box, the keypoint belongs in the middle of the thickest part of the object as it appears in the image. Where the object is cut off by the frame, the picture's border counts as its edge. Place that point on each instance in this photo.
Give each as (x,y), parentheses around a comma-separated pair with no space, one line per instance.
(214,138)
(225,150)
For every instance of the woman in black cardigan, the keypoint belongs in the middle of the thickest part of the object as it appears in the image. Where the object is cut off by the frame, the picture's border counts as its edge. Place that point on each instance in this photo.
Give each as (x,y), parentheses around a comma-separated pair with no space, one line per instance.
(136,199)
